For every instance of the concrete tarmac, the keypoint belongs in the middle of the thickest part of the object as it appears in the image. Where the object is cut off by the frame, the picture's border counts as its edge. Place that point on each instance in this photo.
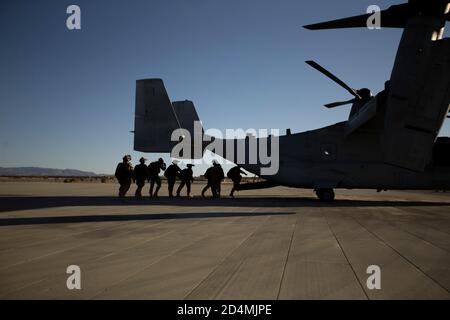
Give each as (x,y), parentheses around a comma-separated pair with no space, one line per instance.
(277,243)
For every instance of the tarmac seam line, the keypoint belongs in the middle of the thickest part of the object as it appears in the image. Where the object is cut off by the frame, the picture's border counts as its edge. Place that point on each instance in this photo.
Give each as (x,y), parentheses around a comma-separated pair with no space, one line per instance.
(401,255)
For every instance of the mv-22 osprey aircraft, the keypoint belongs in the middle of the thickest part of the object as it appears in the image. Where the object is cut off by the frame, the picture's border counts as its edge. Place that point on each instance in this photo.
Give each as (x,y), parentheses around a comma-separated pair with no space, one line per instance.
(390,140)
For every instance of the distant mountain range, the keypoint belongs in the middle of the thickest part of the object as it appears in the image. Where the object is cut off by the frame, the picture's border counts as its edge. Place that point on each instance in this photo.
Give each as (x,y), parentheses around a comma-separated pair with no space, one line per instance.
(36,171)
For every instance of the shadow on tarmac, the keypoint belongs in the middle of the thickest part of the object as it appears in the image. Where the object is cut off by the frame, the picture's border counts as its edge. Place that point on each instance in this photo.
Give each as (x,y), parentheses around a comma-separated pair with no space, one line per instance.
(132,217)
(15,203)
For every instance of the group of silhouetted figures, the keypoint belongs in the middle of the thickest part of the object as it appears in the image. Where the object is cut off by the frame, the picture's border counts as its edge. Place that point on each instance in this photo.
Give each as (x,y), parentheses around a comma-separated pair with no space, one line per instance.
(142,173)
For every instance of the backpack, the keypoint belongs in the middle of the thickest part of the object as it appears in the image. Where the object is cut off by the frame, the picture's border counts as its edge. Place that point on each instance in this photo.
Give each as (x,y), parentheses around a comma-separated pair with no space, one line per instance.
(232,172)
(153,169)
(171,171)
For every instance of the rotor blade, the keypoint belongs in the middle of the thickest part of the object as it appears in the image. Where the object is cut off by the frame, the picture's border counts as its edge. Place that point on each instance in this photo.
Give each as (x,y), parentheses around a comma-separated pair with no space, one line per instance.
(321,69)
(393,17)
(340,103)
(351,22)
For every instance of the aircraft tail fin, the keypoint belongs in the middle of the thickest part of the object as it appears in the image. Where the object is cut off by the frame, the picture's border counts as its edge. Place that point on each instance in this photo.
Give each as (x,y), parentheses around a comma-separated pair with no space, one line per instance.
(156,117)
(186,114)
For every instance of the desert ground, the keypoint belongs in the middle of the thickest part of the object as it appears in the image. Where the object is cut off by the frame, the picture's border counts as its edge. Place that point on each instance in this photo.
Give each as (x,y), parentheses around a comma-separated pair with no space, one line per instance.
(277,243)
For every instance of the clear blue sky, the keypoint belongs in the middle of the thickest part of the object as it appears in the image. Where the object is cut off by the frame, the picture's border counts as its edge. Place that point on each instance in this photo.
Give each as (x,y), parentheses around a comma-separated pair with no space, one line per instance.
(67,97)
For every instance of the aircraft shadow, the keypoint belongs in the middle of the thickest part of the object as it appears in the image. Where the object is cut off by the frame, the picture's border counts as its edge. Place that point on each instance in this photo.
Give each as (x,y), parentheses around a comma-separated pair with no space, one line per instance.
(15,203)
(132,217)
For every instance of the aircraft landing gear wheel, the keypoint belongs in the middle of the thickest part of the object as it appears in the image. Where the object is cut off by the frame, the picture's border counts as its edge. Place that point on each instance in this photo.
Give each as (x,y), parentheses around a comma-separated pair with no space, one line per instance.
(325,195)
